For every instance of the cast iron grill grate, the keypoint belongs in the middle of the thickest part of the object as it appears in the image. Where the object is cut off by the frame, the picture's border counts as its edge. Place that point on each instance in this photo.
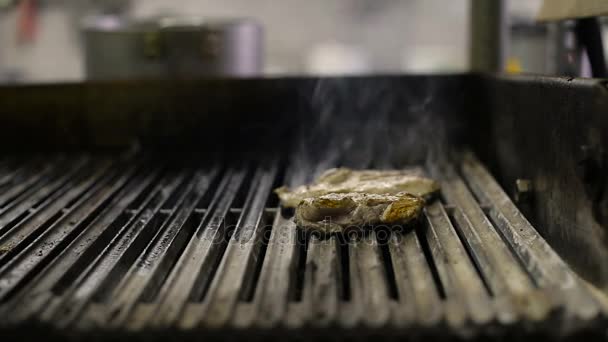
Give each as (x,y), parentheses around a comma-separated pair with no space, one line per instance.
(132,244)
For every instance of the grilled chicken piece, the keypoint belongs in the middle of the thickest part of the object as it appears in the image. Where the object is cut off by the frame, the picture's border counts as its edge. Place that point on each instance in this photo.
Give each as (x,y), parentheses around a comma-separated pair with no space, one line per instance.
(335,212)
(343,180)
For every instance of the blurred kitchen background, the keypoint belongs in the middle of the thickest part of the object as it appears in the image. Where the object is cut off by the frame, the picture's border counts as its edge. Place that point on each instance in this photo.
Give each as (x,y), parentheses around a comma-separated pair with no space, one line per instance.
(43,40)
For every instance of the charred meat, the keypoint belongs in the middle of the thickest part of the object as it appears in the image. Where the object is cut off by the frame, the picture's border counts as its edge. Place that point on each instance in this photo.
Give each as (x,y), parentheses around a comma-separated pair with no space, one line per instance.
(337,211)
(343,180)
(342,198)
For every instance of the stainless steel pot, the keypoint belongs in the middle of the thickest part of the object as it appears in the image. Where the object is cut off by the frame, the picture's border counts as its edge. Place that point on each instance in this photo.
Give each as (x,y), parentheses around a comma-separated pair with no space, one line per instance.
(173,47)
(116,49)
(200,47)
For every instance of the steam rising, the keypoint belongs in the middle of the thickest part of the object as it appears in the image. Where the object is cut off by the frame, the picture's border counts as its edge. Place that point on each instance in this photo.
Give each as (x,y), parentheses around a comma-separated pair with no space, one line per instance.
(381,123)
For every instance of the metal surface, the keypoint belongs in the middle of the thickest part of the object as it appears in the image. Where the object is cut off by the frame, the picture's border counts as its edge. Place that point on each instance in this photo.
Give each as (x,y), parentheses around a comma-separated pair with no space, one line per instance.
(172,47)
(99,244)
(553,132)
(116,49)
(199,47)
(199,113)
(488,32)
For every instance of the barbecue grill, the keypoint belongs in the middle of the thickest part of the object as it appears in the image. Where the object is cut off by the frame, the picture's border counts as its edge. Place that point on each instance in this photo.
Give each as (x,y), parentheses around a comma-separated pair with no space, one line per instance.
(144,209)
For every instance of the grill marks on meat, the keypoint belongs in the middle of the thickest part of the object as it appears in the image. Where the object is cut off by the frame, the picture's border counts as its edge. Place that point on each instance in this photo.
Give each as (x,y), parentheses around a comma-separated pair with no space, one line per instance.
(335,212)
(342,198)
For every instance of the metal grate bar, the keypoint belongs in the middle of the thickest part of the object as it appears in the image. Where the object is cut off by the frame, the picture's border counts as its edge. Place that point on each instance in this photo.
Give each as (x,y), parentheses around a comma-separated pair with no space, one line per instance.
(122,251)
(418,291)
(145,276)
(195,266)
(269,305)
(243,253)
(27,178)
(368,280)
(319,301)
(466,296)
(545,266)
(17,211)
(51,241)
(499,266)
(49,211)
(131,243)
(47,288)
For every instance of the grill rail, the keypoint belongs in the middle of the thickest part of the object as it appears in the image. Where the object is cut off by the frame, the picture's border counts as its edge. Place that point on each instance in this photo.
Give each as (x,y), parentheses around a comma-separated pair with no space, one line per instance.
(130,244)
